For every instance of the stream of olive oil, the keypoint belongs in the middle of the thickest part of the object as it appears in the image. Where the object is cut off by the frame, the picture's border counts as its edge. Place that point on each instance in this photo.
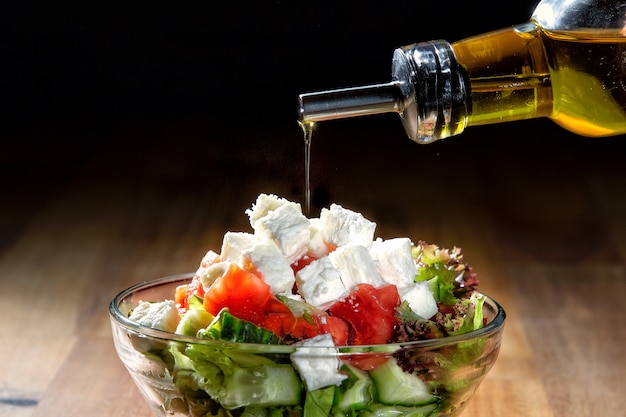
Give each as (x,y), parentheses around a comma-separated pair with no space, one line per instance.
(307,129)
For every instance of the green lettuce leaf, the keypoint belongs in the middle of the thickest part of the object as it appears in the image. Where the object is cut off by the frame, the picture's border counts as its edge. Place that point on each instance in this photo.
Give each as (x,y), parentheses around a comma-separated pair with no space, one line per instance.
(318,403)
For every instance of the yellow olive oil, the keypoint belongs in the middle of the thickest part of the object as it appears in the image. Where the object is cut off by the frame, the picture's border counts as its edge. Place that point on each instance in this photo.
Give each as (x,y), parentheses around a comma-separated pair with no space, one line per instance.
(575,78)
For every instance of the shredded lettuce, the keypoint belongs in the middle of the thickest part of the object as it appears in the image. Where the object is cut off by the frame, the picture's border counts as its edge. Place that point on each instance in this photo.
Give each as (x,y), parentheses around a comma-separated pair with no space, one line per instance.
(318,403)
(467,316)
(448,277)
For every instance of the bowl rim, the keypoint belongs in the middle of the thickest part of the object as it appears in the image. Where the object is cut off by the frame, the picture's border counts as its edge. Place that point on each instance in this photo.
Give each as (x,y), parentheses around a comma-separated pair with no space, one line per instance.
(493,326)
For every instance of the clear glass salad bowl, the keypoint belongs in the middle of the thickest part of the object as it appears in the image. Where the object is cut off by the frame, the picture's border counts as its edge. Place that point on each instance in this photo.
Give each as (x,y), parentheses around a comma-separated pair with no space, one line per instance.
(187,376)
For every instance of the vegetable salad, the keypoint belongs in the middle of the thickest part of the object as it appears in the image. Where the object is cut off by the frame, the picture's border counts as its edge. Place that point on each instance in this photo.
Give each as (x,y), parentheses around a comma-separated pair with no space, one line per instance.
(315,285)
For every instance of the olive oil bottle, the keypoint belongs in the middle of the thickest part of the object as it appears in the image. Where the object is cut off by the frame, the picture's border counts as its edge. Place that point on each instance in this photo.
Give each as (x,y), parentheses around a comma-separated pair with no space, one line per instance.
(567,63)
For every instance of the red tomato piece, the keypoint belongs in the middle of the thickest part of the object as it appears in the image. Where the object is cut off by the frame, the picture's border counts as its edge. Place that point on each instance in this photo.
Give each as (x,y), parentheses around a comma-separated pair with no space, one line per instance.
(336,326)
(303,329)
(370,312)
(320,324)
(195,288)
(185,292)
(301,263)
(243,293)
(368,360)
(279,323)
(307,259)
(277,311)
(180,298)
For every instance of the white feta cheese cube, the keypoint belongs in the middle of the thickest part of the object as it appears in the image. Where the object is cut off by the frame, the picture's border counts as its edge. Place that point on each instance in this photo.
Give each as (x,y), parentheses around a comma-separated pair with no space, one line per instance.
(270,262)
(316,362)
(420,299)
(318,247)
(208,274)
(356,266)
(320,283)
(209,258)
(162,315)
(266,203)
(341,226)
(288,228)
(234,243)
(394,261)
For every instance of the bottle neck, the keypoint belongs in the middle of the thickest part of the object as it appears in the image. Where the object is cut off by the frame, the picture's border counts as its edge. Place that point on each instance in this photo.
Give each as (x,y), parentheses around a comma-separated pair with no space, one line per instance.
(429,90)
(435,88)
(351,102)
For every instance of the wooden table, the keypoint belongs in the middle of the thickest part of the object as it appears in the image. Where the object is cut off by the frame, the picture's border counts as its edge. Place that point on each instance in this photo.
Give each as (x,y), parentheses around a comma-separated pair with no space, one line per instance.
(540,217)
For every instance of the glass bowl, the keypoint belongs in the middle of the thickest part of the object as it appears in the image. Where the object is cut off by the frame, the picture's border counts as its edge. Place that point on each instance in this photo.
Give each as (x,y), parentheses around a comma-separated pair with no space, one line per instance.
(187,376)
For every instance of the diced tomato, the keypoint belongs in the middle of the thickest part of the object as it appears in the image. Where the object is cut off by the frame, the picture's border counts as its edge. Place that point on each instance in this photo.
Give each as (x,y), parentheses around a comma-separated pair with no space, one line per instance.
(337,327)
(180,298)
(367,361)
(320,324)
(370,312)
(303,329)
(195,287)
(243,293)
(281,323)
(301,263)
(307,259)
(186,291)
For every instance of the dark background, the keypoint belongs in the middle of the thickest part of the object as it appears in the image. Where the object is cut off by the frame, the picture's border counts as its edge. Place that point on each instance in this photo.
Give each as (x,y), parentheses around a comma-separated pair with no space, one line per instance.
(196,96)
(111,63)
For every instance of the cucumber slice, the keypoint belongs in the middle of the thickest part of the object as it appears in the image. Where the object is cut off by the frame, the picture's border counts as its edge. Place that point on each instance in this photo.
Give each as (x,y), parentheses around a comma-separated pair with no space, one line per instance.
(264,385)
(229,328)
(354,391)
(192,321)
(396,387)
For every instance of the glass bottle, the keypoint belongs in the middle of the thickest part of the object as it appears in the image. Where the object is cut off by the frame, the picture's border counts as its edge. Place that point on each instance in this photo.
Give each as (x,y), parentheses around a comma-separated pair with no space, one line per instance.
(567,63)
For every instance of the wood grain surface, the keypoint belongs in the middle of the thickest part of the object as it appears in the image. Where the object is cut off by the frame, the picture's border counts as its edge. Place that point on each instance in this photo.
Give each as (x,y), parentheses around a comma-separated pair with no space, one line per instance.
(539,214)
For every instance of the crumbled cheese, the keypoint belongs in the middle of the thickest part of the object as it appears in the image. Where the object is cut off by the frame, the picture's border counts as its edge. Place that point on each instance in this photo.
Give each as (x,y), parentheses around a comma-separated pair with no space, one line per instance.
(320,283)
(356,266)
(234,243)
(316,362)
(266,203)
(162,315)
(420,299)
(209,269)
(288,228)
(394,261)
(270,262)
(208,274)
(317,245)
(341,226)
(209,258)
